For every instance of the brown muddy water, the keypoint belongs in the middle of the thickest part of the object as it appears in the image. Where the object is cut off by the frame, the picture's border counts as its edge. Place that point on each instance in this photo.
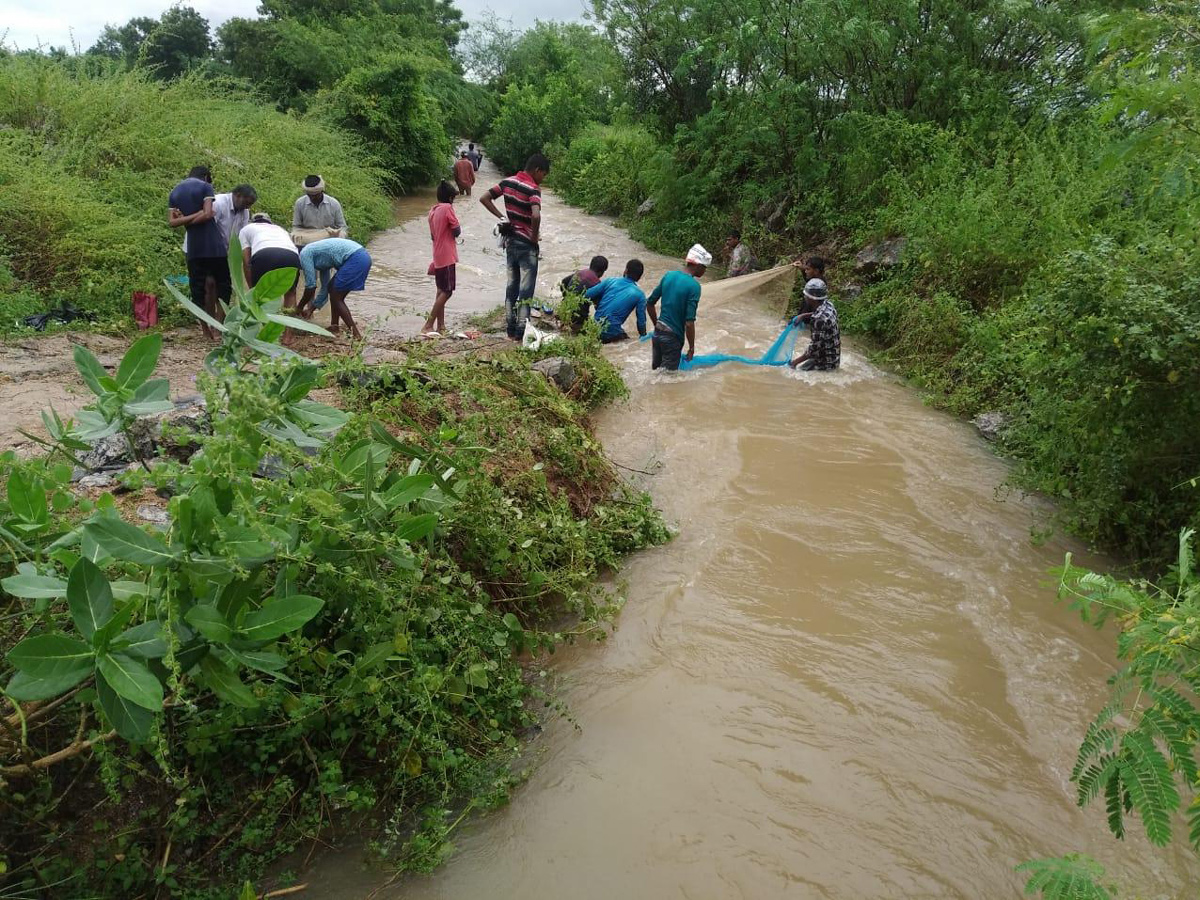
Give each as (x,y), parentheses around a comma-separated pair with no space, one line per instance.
(846,677)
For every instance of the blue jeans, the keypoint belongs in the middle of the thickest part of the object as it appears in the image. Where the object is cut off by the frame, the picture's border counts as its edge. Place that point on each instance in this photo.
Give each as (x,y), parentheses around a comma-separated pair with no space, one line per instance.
(522,281)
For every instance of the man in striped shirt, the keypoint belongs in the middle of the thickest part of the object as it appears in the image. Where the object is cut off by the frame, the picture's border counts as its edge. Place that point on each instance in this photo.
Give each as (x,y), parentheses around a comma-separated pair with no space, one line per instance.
(523,205)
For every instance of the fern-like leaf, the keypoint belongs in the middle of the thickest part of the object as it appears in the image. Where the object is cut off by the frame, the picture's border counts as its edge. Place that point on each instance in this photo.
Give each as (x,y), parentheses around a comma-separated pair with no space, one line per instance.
(1147,778)
(1094,777)
(1112,803)
(1178,738)
(1193,820)
(1071,877)
(1100,737)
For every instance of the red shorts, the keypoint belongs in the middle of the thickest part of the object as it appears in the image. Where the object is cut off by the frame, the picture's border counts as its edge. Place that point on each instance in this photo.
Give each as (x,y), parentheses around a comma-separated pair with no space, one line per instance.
(445,279)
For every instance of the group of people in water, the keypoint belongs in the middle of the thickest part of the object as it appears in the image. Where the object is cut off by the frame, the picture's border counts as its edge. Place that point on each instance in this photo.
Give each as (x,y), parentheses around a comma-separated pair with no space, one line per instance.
(317,247)
(332,266)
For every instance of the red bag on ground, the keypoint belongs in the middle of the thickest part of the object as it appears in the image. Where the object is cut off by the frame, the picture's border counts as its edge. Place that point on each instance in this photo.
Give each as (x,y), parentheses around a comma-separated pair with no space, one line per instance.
(145,309)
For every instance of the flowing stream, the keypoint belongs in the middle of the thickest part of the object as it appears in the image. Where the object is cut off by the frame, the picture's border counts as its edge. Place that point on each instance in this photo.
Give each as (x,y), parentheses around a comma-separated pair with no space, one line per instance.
(846,677)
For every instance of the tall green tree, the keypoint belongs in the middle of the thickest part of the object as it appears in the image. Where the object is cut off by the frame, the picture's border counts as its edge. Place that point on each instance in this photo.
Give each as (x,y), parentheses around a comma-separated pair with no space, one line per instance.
(168,46)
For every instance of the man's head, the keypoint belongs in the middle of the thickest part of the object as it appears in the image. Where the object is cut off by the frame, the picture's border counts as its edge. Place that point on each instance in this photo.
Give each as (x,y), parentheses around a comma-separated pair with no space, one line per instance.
(244,197)
(463,155)
(446,192)
(735,238)
(201,172)
(816,292)
(599,265)
(261,218)
(537,167)
(471,146)
(314,186)
(634,269)
(696,263)
(814,267)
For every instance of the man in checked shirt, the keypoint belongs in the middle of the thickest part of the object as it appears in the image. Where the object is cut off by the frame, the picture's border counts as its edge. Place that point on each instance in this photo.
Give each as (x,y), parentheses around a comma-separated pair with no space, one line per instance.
(824,351)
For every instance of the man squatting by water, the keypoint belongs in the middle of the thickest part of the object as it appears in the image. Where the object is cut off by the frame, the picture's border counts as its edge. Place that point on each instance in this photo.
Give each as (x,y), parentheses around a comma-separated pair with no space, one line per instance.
(679,292)
(523,206)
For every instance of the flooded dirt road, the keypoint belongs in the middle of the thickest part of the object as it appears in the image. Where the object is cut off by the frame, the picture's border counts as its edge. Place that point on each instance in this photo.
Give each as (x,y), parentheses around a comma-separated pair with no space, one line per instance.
(845,678)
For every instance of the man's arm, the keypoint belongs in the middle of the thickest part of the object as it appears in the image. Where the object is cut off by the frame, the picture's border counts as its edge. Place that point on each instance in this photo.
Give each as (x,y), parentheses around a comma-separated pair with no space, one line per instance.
(641,315)
(690,329)
(595,292)
(339,219)
(536,227)
(175,218)
(489,202)
(246,264)
(296,220)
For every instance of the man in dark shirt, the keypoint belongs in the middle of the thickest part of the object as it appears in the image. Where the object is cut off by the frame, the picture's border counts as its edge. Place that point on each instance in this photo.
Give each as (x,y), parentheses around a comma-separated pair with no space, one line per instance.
(523,205)
(580,283)
(824,351)
(190,206)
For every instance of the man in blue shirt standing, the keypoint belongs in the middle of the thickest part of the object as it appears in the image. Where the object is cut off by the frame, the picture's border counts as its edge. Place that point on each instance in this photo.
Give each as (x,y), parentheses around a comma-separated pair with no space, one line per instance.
(353,264)
(680,295)
(190,206)
(615,299)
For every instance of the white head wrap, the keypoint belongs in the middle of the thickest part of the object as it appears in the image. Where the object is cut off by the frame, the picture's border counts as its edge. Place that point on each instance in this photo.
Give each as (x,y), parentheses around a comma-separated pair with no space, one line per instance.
(699,255)
(316,188)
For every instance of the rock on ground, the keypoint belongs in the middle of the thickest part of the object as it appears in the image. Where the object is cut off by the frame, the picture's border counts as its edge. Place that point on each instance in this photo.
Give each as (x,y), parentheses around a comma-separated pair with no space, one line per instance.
(884,255)
(991,424)
(559,370)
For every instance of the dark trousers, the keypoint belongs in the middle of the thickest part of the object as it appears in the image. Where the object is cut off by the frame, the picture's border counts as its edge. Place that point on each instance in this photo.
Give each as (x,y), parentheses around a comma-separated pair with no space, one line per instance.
(666,349)
(202,268)
(522,282)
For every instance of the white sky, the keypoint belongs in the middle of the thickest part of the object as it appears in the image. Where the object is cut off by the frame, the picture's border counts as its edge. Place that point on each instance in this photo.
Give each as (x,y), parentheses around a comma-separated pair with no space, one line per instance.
(25,24)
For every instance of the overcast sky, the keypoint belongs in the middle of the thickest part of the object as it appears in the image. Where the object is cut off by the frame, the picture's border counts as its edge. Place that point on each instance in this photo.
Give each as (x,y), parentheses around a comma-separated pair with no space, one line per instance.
(57,23)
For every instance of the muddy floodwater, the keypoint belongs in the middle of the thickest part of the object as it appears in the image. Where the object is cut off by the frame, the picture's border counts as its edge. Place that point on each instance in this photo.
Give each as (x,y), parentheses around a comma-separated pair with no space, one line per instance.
(846,677)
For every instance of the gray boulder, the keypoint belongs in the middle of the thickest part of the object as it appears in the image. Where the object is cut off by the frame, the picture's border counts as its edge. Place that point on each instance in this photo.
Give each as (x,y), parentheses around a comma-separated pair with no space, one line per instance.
(152,440)
(884,255)
(559,370)
(647,206)
(991,424)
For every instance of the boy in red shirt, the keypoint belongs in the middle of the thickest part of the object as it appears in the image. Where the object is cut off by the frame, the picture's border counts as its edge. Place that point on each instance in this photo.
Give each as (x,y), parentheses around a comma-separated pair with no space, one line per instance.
(443,229)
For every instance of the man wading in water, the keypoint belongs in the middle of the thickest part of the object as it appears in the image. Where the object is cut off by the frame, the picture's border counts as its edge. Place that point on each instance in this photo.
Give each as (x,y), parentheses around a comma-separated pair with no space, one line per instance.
(680,295)
(523,203)
(824,351)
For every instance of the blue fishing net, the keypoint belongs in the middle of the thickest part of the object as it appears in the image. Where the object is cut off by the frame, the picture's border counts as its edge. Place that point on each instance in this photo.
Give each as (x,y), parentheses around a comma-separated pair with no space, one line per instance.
(778,354)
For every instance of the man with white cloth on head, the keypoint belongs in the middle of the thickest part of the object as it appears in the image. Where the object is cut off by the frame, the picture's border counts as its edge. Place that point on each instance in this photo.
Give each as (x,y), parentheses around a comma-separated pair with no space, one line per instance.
(315,217)
(679,292)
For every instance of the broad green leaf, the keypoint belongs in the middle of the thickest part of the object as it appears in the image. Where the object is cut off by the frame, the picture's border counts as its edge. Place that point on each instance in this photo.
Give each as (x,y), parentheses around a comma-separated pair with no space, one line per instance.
(29,586)
(25,687)
(321,417)
(52,656)
(275,284)
(262,660)
(139,361)
(94,374)
(477,675)
(279,617)
(123,590)
(89,597)
(209,622)
(298,324)
(298,381)
(27,498)
(354,464)
(192,307)
(151,398)
(511,622)
(127,542)
(408,489)
(116,623)
(131,679)
(287,431)
(92,426)
(243,542)
(131,721)
(416,527)
(237,273)
(374,656)
(144,641)
(224,682)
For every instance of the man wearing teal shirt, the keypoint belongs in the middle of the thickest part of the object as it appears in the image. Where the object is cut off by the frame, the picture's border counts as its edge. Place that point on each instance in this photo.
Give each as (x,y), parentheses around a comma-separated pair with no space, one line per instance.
(680,295)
